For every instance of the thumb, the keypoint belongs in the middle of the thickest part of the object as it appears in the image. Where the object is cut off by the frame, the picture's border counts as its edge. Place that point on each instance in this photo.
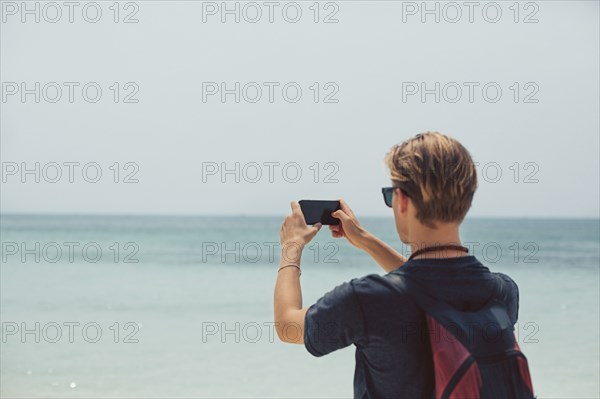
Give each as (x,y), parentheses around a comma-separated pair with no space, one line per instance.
(315,230)
(339,214)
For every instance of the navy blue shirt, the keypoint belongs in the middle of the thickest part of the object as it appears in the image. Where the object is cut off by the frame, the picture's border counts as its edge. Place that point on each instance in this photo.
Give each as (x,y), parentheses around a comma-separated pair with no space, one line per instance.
(393,359)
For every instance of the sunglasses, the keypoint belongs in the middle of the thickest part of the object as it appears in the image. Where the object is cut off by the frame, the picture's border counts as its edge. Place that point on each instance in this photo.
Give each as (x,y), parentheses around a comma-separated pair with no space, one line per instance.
(388,194)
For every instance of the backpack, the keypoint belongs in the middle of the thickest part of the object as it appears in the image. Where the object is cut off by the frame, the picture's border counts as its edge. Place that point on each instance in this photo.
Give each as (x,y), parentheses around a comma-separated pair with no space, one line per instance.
(475,354)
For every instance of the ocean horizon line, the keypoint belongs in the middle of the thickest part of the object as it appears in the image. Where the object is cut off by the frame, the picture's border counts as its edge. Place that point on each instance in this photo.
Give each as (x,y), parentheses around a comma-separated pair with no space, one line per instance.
(258,216)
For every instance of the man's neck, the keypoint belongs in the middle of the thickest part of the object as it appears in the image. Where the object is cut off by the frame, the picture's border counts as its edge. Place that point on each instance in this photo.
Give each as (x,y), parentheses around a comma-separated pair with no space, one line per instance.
(445,234)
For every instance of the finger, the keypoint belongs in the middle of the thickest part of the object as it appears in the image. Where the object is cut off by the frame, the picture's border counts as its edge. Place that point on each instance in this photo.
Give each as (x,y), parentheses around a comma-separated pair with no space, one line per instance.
(334,228)
(318,226)
(339,214)
(295,207)
(346,208)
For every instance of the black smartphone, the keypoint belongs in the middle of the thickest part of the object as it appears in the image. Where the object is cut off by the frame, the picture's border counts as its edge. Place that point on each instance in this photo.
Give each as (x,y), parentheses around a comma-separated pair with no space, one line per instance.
(316,211)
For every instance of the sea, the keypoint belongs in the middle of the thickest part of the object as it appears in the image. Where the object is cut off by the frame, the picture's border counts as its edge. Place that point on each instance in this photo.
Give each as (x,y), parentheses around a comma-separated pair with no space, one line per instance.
(182,306)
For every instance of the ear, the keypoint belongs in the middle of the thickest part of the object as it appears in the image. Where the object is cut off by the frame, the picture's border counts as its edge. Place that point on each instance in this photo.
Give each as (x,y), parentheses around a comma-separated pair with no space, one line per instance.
(402,200)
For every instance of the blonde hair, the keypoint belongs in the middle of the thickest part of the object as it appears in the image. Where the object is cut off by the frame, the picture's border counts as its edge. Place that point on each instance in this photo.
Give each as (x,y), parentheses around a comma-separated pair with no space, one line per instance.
(438,175)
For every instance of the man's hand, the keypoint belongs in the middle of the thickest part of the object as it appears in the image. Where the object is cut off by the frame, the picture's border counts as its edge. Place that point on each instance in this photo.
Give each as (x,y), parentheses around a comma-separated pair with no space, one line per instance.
(387,257)
(349,227)
(295,231)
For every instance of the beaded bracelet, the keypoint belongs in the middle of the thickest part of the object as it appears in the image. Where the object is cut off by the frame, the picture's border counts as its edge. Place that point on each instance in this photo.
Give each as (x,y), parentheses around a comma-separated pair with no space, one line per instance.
(291,265)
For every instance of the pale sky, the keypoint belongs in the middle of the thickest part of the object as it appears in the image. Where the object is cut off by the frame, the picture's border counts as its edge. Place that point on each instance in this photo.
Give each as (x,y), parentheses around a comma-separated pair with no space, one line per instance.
(370,68)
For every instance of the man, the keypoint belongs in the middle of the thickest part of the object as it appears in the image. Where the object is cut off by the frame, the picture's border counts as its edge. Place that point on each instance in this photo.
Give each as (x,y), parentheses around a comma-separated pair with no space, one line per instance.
(433,184)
